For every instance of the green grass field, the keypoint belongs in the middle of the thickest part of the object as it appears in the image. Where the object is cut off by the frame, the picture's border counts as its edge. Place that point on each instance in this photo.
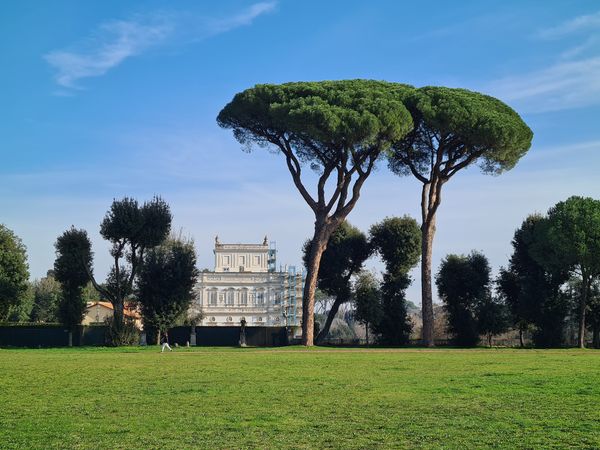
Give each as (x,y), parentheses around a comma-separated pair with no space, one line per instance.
(295,398)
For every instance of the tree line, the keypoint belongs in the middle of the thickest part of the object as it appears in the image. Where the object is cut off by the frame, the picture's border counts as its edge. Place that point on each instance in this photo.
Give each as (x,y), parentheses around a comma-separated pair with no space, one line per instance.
(152,268)
(552,280)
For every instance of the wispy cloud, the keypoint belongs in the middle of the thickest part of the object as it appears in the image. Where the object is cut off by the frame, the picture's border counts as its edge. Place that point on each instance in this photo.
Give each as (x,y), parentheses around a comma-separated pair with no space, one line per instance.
(112,44)
(591,43)
(117,40)
(572,80)
(244,18)
(575,25)
(564,85)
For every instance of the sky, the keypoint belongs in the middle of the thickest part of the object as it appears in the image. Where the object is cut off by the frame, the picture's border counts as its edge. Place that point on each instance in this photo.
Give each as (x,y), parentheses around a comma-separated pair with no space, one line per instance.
(102,100)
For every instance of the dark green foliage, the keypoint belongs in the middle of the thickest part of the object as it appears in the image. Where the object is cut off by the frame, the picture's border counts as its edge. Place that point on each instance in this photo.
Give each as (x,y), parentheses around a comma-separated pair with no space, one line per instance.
(463,284)
(467,126)
(492,318)
(21,312)
(72,267)
(346,252)
(398,241)
(14,271)
(140,227)
(338,128)
(394,326)
(367,301)
(320,119)
(165,283)
(530,289)
(131,229)
(46,298)
(573,235)
(125,334)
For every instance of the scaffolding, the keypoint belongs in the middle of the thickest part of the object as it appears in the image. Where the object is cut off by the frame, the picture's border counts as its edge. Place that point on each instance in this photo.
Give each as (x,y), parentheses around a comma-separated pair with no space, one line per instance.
(272,257)
(291,282)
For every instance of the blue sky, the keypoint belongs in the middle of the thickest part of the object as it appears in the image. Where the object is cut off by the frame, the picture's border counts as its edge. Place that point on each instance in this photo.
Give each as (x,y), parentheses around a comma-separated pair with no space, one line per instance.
(106,99)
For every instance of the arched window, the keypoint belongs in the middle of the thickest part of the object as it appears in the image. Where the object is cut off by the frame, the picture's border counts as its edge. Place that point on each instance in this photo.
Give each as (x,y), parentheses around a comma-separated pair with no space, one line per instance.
(212,297)
(260,298)
(230,297)
(244,297)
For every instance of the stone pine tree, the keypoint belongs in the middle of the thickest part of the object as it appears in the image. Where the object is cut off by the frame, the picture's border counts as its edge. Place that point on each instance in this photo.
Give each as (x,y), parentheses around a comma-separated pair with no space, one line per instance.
(14,271)
(453,129)
(339,129)
(165,284)
(346,252)
(71,267)
(573,233)
(397,240)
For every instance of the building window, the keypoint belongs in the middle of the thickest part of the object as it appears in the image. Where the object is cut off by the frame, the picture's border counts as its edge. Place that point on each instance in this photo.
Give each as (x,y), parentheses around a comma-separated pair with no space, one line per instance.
(242,260)
(260,319)
(252,298)
(225,260)
(212,319)
(260,298)
(212,298)
(278,298)
(243,297)
(257,260)
(230,297)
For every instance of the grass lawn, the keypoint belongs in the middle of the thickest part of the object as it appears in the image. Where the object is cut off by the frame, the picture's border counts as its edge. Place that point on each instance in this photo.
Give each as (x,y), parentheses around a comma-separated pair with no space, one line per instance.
(296,398)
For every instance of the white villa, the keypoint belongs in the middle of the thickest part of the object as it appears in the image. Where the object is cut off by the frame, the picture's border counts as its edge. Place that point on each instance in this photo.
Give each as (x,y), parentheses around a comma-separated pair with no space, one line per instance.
(245,285)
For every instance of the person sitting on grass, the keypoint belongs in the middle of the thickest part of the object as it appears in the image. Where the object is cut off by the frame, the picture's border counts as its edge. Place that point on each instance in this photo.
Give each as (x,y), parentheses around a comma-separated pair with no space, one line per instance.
(165,342)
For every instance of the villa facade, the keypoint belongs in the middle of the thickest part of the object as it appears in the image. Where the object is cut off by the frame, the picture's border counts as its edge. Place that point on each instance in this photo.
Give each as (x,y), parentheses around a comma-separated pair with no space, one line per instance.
(245,285)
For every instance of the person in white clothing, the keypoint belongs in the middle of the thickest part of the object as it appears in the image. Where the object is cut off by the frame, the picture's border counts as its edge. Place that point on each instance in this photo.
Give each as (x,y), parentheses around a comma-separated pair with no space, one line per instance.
(165,342)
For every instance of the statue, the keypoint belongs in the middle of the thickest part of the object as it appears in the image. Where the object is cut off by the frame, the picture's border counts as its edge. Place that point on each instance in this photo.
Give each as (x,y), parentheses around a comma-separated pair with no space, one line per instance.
(217,240)
(265,242)
(243,332)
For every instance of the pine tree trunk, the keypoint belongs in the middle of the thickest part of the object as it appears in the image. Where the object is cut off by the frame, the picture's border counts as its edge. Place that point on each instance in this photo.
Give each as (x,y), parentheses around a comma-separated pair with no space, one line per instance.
(427,234)
(317,247)
(118,313)
(70,338)
(582,305)
(521,337)
(330,316)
